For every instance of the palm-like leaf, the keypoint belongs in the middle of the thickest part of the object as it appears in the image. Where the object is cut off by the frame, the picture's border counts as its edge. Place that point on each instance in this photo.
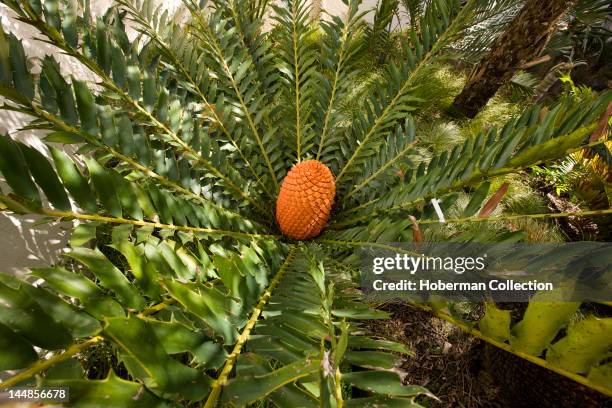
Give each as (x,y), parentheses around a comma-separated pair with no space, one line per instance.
(187,136)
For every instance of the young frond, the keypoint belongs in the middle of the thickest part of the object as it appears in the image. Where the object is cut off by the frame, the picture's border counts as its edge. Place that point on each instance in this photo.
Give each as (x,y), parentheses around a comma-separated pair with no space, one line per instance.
(394,99)
(340,45)
(383,169)
(234,69)
(297,63)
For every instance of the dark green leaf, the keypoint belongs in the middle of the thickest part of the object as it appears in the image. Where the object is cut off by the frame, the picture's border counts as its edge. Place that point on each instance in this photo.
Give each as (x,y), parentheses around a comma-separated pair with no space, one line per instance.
(250,364)
(149,92)
(372,359)
(210,355)
(103,184)
(133,79)
(74,181)
(6,77)
(110,392)
(383,382)
(206,307)
(103,50)
(93,299)
(63,138)
(15,352)
(45,177)
(83,233)
(78,322)
(126,135)
(70,369)
(126,197)
(118,66)
(15,170)
(110,277)
(147,361)
(51,11)
(245,390)
(86,106)
(21,73)
(176,337)
(477,198)
(23,315)
(69,26)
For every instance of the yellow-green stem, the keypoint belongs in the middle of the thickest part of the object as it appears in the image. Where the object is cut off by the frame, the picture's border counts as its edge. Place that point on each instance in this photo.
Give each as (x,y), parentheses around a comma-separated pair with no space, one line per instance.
(520,216)
(244,336)
(339,400)
(114,220)
(157,307)
(42,365)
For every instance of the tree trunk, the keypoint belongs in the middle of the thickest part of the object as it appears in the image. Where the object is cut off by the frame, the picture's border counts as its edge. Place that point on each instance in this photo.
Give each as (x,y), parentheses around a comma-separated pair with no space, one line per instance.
(522,41)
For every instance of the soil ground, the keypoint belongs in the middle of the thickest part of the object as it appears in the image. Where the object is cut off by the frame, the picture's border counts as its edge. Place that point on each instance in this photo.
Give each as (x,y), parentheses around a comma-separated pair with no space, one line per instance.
(463,371)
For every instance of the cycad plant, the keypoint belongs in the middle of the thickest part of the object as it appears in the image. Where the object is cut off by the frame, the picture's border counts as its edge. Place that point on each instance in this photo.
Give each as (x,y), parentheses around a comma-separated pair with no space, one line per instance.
(183,144)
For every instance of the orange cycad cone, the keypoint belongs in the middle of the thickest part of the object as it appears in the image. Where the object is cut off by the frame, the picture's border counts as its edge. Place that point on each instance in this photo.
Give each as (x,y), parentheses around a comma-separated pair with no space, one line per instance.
(305,200)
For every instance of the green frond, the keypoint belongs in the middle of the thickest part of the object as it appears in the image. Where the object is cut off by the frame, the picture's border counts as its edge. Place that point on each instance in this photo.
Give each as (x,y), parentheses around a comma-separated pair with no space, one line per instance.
(311,326)
(339,47)
(379,37)
(164,121)
(521,143)
(217,43)
(392,98)
(297,64)
(385,165)
(97,316)
(103,194)
(488,20)
(414,8)
(177,46)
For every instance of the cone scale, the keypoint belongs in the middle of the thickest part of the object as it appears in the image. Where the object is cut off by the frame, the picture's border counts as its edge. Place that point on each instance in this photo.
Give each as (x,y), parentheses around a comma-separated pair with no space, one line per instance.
(305,200)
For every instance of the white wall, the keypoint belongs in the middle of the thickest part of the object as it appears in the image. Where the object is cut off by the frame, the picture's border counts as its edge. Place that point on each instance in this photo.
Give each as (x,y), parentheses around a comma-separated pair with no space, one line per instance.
(22,243)
(338,8)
